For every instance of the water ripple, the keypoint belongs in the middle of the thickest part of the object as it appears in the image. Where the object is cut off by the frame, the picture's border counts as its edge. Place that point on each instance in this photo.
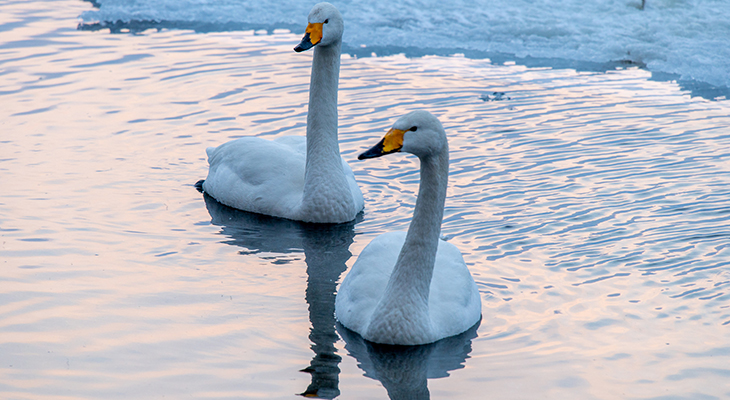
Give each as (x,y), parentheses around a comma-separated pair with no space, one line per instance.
(591,209)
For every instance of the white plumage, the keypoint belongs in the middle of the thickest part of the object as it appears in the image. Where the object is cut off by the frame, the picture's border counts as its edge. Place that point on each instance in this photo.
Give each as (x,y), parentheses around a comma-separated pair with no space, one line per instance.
(412,288)
(293,177)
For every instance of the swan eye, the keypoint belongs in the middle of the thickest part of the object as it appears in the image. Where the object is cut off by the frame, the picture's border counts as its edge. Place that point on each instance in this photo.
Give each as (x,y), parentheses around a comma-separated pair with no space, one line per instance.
(413,129)
(326,21)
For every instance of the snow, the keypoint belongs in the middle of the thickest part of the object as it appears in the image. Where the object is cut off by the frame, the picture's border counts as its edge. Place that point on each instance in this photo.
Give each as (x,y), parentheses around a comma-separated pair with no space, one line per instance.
(689,38)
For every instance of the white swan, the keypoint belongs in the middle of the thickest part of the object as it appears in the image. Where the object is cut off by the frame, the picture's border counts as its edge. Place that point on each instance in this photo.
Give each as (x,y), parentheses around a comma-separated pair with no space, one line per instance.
(412,288)
(293,177)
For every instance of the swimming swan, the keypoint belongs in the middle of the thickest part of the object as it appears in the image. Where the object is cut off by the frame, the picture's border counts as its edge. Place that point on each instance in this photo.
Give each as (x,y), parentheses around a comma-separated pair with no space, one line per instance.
(412,288)
(293,177)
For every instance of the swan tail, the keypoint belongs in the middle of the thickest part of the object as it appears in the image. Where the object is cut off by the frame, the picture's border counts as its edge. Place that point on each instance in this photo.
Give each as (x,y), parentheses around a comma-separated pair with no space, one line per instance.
(199,185)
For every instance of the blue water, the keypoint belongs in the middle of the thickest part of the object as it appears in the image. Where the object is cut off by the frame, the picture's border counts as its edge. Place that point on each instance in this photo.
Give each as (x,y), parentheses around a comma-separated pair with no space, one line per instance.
(591,208)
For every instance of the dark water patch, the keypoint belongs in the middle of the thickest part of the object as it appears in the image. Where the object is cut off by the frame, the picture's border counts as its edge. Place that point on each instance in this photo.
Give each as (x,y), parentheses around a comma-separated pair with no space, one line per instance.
(602,278)
(121,60)
(227,94)
(36,111)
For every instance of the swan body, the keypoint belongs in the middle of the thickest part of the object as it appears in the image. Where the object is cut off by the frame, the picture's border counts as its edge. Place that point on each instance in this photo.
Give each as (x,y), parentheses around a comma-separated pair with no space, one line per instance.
(293,177)
(412,288)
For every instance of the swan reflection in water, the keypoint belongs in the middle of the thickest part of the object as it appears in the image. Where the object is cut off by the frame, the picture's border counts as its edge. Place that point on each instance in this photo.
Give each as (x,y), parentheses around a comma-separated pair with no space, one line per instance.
(326,250)
(402,370)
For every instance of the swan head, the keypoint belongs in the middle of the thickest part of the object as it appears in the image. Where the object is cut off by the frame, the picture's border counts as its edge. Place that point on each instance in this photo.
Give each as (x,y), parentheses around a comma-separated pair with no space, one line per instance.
(418,133)
(325,27)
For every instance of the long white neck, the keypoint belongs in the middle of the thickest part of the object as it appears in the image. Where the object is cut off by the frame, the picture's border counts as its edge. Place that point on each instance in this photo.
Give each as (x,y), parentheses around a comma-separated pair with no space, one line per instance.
(403,310)
(325,187)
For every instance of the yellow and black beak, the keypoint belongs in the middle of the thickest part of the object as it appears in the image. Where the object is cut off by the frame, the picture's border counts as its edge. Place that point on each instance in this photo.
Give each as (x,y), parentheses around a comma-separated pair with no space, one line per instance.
(312,36)
(391,143)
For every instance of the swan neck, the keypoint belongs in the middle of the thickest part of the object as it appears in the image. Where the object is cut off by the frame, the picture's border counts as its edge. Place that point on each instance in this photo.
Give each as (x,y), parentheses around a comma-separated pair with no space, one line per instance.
(412,273)
(322,109)
(326,191)
(418,255)
(429,209)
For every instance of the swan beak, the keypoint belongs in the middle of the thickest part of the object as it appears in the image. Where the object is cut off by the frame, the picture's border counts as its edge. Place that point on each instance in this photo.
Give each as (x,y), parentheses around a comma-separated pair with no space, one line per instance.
(391,143)
(312,36)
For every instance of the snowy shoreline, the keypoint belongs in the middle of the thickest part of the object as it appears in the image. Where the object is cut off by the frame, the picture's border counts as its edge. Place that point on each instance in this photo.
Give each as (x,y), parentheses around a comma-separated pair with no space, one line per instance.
(677,40)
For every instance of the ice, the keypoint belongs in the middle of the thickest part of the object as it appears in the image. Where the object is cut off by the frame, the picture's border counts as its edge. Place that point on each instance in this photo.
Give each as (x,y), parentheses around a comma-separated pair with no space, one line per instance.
(688,38)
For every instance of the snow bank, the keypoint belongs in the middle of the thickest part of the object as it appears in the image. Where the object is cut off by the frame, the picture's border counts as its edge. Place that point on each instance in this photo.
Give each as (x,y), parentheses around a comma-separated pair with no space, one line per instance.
(690,38)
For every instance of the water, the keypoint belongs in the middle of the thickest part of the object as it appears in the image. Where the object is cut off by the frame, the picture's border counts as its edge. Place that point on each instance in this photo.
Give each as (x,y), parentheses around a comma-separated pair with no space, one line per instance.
(590,207)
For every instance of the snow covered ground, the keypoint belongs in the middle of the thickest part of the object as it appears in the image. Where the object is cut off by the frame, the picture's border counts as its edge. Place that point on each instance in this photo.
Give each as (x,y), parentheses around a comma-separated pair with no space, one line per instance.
(687,38)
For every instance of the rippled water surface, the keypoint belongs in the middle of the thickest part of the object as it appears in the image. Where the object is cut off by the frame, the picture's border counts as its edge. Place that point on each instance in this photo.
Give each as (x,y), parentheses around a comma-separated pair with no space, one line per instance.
(592,209)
